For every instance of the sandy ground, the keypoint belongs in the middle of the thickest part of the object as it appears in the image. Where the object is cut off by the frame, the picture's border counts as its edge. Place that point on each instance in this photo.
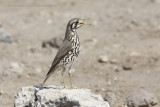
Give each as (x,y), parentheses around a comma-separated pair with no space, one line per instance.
(126,31)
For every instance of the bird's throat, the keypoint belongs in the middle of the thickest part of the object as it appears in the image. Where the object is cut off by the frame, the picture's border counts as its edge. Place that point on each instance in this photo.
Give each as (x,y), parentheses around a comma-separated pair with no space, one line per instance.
(71,33)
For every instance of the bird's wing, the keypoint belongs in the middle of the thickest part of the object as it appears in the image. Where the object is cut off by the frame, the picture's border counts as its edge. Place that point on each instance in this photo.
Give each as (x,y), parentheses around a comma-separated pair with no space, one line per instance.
(63,50)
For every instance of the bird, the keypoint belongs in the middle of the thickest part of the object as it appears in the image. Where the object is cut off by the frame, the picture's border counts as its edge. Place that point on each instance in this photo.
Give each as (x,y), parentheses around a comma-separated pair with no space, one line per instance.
(68,50)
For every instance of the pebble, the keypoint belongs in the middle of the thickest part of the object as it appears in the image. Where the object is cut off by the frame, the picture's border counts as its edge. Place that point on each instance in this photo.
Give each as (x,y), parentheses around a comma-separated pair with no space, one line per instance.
(5,36)
(54,42)
(15,67)
(49,21)
(126,67)
(116,68)
(134,54)
(114,61)
(103,59)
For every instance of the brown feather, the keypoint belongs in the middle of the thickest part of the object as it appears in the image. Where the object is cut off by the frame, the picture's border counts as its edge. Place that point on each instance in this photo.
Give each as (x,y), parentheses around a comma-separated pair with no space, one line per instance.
(63,50)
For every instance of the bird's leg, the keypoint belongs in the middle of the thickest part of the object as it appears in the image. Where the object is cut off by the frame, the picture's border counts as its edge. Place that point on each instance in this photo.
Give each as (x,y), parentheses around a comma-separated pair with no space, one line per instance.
(64,84)
(70,77)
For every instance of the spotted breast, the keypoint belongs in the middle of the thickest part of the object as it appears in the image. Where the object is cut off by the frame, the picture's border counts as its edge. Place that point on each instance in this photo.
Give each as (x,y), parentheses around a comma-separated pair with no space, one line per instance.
(73,53)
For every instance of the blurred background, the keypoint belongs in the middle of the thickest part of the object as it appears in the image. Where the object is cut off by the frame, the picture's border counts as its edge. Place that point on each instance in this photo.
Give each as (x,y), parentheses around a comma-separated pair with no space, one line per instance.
(120,51)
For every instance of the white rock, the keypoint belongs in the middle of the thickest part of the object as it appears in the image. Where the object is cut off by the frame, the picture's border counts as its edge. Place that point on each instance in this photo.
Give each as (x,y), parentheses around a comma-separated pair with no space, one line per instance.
(53,96)
(49,21)
(5,36)
(38,70)
(134,54)
(103,59)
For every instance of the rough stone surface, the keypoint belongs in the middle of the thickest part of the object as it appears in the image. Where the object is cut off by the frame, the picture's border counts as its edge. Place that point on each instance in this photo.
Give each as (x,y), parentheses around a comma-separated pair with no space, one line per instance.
(110,97)
(53,96)
(141,98)
(5,36)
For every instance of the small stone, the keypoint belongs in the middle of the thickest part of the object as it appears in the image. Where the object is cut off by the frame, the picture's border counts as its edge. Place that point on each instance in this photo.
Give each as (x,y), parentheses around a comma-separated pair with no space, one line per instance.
(38,70)
(134,54)
(49,21)
(109,82)
(0,24)
(115,78)
(114,61)
(1,92)
(72,70)
(116,68)
(5,36)
(15,68)
(158,27)
(54,42)
(141,98)
(126,67)
(103,59)
(134,22)
(103,89)
(32,50)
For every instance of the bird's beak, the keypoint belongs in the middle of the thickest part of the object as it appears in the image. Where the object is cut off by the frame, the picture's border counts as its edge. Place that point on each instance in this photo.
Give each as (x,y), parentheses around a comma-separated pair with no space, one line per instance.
(85,23)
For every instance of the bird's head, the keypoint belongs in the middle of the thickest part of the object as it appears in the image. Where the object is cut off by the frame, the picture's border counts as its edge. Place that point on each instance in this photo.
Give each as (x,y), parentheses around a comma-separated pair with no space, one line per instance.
(75,23)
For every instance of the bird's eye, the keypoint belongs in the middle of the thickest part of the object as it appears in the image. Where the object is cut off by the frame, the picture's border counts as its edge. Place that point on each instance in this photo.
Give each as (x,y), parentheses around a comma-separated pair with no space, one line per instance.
(77,22)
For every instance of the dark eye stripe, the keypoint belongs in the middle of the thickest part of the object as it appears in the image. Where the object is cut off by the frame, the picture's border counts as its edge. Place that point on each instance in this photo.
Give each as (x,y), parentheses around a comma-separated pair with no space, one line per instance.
(77,23)
(74,25)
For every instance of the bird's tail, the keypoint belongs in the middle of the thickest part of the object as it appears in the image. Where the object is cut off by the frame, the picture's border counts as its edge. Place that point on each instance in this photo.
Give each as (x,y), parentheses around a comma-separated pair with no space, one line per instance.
(45,80)
(52,69)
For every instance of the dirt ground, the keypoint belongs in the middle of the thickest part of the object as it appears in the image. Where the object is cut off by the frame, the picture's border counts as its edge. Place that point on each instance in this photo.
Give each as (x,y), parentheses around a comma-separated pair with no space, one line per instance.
(126,31)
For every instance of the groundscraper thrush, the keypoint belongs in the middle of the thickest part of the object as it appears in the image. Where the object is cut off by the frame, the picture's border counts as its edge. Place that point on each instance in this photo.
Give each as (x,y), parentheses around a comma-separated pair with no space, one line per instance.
(68,51)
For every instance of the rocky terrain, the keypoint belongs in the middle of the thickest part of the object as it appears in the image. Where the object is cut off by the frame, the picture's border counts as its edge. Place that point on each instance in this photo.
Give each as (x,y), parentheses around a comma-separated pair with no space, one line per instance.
(53,96)
(120,51)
